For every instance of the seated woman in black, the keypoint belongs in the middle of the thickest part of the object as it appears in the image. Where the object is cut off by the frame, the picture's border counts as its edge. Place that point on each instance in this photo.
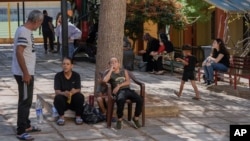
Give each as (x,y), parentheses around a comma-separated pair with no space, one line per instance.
(67,85)
(220,58)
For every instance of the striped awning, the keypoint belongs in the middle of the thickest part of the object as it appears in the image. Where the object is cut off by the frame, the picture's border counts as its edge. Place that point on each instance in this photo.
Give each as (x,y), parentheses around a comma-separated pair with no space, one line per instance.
(242,6)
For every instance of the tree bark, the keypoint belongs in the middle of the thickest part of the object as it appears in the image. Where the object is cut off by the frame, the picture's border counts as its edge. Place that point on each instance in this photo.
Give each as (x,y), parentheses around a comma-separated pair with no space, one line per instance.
(112,16)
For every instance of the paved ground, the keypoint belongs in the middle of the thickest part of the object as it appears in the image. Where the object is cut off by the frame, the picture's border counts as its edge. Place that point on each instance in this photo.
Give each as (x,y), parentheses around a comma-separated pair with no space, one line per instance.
(205,120)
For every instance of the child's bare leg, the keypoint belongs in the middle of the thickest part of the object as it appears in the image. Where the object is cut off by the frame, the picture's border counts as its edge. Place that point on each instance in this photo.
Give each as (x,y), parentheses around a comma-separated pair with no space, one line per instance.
(101,105)
(195,88)
(181,88)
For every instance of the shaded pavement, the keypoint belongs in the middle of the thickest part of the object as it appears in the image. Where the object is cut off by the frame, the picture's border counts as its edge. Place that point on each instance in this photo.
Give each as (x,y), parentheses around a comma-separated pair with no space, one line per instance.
(204,120)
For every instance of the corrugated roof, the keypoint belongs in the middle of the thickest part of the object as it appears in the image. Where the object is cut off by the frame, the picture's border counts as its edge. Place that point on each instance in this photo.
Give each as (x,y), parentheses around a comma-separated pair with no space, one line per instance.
(242,6)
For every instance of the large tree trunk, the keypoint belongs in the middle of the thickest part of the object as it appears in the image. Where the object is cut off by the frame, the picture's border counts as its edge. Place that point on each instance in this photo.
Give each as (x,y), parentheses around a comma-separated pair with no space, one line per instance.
(110,32)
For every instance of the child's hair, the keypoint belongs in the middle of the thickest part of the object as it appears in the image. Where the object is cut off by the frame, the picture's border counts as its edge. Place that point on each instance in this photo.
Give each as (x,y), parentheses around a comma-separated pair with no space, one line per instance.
(68,58)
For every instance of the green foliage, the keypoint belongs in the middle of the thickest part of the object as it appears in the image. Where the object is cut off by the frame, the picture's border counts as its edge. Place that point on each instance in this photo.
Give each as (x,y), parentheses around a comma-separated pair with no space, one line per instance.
(196,8)
(177,13)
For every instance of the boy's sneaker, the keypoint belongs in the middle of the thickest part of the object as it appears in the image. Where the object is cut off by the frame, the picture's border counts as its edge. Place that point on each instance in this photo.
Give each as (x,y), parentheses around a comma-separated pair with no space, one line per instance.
(119,124)
(136,123)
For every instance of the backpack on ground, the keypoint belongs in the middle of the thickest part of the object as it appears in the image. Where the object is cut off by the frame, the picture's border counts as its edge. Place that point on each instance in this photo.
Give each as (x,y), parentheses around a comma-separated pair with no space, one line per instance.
(91,115)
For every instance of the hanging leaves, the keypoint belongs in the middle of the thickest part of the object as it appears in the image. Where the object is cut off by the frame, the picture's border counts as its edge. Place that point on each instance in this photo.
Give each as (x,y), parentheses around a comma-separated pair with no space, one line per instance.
(168,12)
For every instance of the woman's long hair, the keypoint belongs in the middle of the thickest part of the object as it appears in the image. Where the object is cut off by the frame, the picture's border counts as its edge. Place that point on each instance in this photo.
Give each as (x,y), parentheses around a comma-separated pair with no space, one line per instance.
(168,45)
(222,46)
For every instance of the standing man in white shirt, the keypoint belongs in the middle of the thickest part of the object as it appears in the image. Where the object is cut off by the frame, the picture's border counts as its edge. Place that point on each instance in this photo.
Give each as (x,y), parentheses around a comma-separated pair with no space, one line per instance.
(23,69)
(73,33)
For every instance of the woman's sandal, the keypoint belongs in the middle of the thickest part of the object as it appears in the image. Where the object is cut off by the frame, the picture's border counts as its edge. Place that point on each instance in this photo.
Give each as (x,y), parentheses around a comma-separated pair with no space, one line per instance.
(60,122)
(33,129)
(25,137)
(78,121)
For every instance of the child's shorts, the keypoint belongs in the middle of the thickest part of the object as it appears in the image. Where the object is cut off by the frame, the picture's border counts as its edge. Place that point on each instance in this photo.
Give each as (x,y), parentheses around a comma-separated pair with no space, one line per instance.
(188,75)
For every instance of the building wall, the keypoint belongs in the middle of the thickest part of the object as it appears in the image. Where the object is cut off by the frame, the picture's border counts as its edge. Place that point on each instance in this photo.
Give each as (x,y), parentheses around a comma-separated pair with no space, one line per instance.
(235,32)
(176,37)
(203,33)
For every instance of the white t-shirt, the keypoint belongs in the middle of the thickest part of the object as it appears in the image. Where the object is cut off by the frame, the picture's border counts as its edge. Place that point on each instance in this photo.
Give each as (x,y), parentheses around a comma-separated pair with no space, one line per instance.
(25,38)
(73,32)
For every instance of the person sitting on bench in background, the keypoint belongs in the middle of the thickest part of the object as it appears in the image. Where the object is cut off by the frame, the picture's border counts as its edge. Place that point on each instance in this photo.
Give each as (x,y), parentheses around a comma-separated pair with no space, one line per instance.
(220,59)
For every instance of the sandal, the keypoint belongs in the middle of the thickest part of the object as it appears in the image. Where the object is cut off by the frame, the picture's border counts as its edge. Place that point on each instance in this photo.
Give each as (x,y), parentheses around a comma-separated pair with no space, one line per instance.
(78,121)
(25,137)
(196,98)
(60,122)
(33,129)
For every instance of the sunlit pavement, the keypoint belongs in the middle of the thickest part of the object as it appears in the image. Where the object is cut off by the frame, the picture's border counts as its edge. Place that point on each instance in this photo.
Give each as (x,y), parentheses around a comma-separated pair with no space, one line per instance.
(204,120)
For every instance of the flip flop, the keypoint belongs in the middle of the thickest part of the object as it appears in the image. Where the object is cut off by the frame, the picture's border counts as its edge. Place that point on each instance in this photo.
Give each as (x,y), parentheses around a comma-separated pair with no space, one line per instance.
(78,121)
(25,137)
(196,98)
(60,122)
(33,129)
(176,93)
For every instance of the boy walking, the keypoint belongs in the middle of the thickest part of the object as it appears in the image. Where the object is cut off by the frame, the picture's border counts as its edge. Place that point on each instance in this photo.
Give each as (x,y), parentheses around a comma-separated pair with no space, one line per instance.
(189,63)
(120,81)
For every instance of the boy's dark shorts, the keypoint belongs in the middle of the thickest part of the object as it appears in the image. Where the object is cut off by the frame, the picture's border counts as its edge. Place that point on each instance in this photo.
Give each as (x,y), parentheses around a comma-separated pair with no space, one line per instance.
(190,75)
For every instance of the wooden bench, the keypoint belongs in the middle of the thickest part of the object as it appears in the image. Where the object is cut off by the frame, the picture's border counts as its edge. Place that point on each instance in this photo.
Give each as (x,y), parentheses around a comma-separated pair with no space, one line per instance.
(111,101)
(239,67)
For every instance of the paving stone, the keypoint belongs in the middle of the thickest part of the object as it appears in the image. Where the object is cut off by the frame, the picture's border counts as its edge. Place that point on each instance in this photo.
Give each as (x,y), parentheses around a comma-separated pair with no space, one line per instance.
(1,118)
(192,107)
(192,128)
(177,121)
(209,120)
(82,134)
(169,137)
(204,137)
(237,120)
(123,133)
(159,130)
(222,128)
(48,137)
(139,138)
(153,121)
(8,138)
(241,113)
(230,105)
(6,129)
(193,113)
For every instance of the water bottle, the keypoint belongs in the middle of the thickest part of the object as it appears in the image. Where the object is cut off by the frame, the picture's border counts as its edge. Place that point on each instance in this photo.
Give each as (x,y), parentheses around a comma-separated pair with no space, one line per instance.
(54,112)
(39,111)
